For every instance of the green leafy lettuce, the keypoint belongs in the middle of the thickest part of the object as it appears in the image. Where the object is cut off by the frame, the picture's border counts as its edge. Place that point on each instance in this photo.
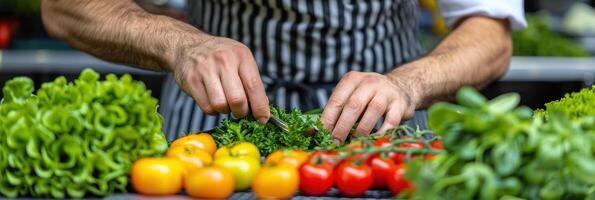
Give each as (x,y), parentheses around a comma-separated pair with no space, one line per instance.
(573,105)
(75,139)
(269,137)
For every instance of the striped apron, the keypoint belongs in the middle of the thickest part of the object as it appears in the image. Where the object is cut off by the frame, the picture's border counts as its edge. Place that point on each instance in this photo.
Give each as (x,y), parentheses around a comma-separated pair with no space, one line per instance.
(302,48)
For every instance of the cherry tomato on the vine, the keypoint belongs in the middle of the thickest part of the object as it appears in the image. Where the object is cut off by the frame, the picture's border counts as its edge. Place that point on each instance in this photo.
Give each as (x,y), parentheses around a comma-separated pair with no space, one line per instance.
(316,178)
(353,180)
(397,182)
(381,169)
(383,143)
(402,157)
(325,156)
(436,145)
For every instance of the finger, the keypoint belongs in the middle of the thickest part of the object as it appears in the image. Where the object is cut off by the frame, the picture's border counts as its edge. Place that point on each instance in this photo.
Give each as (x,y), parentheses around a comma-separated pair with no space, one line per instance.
(259,102)
(234,92)
(337,100)
(351,112)
(217,99)
(374,111)
(201,97)
(393,117)
(193,85)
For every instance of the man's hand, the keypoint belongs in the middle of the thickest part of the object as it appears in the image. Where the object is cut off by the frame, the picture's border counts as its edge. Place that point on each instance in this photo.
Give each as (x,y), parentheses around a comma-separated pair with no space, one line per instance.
(367,97)
(221,75)
(476,52)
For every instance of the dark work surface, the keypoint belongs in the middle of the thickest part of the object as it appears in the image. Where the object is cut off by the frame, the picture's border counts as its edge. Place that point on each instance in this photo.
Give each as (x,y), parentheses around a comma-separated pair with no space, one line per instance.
(533,94)
(333,194)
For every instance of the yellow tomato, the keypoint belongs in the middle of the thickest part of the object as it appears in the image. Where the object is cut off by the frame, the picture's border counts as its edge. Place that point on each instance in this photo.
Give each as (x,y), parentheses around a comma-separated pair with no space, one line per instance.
(242,149)
(243,169)
(202,141)
(157,176)
(192,157)
(210,182)
(276,181)
(294,158)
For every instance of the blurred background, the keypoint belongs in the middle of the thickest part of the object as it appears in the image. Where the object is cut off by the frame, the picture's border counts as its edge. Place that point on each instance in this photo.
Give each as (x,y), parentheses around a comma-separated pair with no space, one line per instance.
(553,56)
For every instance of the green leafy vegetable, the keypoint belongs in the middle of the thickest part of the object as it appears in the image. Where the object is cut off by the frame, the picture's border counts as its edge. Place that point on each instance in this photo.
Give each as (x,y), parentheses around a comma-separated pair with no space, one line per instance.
(573,105)
(75,139)
(496,150)
(538,40)
(269,137)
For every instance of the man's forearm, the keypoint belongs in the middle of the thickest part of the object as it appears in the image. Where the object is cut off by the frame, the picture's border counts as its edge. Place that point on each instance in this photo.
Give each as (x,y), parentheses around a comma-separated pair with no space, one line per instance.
(477,52)
(119,31)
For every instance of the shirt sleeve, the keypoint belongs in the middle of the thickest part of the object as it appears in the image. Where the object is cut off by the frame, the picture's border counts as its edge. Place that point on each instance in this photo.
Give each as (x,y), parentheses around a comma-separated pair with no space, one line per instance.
(453,10)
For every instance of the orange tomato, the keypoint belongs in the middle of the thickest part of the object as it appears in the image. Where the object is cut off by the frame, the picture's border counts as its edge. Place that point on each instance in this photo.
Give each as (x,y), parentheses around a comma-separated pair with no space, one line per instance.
(192,157)
(294,158)
(210,182)
(157,176)
(202,141)
(276,181)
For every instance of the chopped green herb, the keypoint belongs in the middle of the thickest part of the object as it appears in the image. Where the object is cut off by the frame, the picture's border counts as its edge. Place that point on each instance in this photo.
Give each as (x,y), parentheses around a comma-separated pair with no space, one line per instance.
(269,137)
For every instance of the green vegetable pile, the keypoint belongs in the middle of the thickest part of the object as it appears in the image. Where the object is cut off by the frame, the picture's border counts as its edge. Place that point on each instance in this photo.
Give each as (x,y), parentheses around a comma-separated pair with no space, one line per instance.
(29,7)
(75,139)
(269,137)
(574,105)
(538,40)
(496,150)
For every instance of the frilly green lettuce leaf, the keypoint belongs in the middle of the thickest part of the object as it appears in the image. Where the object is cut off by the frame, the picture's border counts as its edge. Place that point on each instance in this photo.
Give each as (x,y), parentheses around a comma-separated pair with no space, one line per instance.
(74,139)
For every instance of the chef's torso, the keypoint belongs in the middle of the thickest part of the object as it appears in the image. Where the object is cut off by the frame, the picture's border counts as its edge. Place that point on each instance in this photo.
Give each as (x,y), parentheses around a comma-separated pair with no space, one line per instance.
(302,48)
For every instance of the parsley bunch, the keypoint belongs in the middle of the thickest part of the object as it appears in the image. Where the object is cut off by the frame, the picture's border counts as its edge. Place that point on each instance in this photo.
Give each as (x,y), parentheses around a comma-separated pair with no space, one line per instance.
(269,137)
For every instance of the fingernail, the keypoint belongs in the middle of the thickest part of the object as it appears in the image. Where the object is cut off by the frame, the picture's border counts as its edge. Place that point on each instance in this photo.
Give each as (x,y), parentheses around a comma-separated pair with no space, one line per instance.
(337,141)
(262,120)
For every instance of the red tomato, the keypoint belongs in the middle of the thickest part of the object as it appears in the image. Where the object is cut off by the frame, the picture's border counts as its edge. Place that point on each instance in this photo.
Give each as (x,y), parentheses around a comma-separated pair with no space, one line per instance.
(397,182)
(325,156)
(402,157)
(436,145)
(381,169)
(316,179)
(5,33)
(353,180)
(382,142)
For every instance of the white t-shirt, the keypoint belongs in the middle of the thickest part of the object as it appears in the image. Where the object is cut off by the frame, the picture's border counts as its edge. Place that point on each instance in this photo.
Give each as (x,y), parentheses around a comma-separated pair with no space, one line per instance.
(453,10)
